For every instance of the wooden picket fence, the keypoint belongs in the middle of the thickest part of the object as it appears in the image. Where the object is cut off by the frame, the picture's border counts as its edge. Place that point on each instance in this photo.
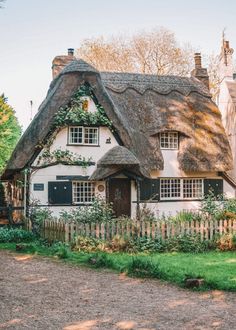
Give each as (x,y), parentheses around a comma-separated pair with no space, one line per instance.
(206,229)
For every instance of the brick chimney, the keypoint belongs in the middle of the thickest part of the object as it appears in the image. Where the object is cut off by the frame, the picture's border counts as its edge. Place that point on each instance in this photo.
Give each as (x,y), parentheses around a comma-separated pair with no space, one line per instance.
(61,61)
(226,60)
(199,72)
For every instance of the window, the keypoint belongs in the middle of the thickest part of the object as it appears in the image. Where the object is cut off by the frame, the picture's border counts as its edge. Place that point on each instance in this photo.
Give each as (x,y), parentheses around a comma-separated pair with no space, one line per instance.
(170,189)
(181,188)
(83,135)
(169,140)
(192,188)
(83,192)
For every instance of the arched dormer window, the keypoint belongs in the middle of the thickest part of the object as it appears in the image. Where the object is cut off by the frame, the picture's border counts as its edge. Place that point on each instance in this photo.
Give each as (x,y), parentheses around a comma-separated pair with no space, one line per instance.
(169,140)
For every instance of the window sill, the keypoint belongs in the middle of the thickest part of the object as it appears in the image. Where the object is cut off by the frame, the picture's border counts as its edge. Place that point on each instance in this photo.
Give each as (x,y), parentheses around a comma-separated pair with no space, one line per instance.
(82,145)
(168,200)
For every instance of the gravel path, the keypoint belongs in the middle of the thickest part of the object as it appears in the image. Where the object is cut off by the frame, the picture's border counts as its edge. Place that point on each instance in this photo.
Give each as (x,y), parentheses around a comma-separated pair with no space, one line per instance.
(38,293)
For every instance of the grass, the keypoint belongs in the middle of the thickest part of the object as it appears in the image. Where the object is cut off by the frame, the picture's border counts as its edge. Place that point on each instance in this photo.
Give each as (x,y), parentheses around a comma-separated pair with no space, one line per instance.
(218,269)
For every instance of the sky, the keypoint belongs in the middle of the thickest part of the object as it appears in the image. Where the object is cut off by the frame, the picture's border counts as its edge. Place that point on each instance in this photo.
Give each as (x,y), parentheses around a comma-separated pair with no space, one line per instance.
(33,32)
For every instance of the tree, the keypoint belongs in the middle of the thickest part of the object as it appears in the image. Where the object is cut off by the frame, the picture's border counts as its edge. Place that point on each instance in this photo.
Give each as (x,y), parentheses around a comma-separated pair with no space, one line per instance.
(1,1)
(10,131)
(214,75)
(154,52)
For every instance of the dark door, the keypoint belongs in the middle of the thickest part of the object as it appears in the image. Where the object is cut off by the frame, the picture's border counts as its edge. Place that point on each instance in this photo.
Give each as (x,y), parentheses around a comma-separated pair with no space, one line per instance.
(120,196)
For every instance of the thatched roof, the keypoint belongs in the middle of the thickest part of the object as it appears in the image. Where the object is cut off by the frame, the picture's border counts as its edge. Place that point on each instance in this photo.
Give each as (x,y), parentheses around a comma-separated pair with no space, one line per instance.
(118,156)
(117,159)
(140,107)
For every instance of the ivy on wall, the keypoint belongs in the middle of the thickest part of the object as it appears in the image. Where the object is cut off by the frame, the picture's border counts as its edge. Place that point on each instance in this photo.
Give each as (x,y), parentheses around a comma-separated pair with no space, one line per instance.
(74,113)
(59,156)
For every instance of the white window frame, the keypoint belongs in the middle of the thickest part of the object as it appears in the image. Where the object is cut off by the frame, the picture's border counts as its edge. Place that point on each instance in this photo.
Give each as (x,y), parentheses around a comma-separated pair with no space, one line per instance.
(182,181)
(193,181)
(83,192)
(172,181)
(171,138)
(84,131)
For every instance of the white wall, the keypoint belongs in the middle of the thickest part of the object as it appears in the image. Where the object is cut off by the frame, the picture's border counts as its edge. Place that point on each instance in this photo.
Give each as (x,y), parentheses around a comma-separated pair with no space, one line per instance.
(228,112)
(47,174)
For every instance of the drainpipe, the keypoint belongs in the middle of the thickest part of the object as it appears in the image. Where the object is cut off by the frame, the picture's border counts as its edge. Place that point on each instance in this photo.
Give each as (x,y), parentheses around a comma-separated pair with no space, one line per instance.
(138,200)
(25,192)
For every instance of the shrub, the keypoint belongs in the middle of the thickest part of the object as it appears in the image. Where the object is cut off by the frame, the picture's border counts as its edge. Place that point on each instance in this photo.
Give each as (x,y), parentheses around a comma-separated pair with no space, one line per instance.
(186,216)
(146,214)
(88,244)
(37,216)
(226,242)
(229,205)
(121,244)
(98,211)
(61,250)
(211,205)
(188,243)
(15,235)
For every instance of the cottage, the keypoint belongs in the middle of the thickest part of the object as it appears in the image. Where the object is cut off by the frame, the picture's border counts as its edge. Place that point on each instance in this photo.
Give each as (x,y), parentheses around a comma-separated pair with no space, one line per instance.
(227,98)
(133,139)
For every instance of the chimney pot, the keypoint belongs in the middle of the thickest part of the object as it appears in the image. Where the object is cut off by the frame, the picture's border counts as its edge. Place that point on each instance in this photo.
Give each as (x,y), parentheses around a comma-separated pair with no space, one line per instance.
(226,44)
(70,51)
(198,60)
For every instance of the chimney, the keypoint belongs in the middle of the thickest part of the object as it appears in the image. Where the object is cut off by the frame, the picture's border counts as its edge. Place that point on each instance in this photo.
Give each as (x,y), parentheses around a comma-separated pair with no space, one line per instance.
(61,61)
(226,60)
(199,72)
(70,51)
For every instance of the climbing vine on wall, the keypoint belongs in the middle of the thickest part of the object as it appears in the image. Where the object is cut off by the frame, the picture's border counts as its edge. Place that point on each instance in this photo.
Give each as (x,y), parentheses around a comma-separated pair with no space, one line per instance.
(62,157)
(74,113)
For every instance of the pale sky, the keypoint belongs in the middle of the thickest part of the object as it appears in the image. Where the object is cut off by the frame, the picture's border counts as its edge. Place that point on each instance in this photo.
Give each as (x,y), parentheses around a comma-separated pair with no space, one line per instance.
(33,32)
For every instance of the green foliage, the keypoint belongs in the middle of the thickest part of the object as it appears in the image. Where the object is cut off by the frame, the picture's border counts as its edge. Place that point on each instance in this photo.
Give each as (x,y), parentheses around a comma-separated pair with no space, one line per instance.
(37,216)
(61,250)
(62,156)
(15,235)
(180,243)
(74,114)
(186,216)
(143,267)
(211,206)
(98,211)
(220,208)
(88,244)
(100,260)
(10,131)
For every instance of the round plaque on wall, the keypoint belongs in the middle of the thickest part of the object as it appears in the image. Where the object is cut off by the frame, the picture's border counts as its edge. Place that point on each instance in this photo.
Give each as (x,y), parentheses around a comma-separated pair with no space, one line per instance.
(101,188)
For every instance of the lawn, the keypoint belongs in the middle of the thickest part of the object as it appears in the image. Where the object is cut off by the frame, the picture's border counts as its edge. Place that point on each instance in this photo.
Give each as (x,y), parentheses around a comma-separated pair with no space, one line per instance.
(218,269)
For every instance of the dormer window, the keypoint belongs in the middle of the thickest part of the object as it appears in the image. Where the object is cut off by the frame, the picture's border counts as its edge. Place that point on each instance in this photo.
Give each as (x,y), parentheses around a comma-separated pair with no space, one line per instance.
(169,140)
(83,135)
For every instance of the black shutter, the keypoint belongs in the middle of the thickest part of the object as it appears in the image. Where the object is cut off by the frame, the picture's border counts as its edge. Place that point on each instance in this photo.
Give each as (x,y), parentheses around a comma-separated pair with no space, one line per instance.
(213,185)
(60,193)
(150,189)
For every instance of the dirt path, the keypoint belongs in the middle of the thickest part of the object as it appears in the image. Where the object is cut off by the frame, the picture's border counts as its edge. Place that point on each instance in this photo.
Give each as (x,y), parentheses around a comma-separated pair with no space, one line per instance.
(37,293)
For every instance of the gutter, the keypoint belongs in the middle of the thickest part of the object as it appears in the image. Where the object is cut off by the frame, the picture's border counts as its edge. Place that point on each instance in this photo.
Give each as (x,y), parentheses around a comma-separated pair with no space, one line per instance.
(228,179)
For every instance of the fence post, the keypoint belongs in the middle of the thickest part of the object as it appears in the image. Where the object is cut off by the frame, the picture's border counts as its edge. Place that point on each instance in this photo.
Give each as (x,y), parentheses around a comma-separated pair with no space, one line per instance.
(10,211)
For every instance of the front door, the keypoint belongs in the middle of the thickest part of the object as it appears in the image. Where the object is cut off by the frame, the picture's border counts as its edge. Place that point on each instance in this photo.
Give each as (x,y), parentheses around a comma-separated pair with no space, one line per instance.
(120,196)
